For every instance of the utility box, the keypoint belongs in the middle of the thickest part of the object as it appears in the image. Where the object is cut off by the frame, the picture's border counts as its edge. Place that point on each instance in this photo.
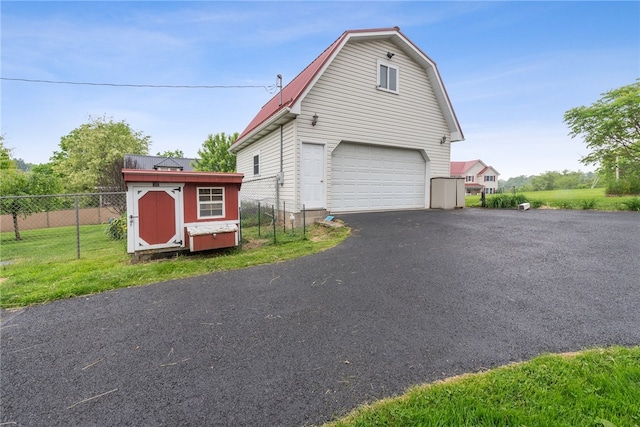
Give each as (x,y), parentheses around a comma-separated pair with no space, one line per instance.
(177,210)
(447,193)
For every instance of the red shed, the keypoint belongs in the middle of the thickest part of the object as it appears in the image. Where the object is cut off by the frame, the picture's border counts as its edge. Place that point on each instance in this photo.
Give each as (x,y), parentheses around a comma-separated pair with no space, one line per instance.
(176,210)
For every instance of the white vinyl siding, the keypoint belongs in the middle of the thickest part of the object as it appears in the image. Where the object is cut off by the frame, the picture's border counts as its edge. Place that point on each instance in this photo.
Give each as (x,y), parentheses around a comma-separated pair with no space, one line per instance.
(269,150)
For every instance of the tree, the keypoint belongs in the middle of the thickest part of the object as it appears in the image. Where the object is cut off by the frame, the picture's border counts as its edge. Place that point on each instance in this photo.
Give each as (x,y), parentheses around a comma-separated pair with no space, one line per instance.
(6,162)
(215,156)
(43,180)
(611,130)
(87,152)
(15,182)
(176,154)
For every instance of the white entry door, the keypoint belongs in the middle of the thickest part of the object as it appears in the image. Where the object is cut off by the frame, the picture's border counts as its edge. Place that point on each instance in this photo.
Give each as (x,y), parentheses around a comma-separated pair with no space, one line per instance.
(312,176)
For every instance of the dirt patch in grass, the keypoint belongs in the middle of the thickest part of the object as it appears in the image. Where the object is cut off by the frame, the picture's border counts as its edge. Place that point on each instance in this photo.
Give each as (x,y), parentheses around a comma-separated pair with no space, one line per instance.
(321,233)
(254,243)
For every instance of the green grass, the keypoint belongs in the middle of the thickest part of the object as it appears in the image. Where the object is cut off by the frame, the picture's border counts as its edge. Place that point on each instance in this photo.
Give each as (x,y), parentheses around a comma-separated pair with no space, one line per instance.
(594,198)
(599,387)
(42,267)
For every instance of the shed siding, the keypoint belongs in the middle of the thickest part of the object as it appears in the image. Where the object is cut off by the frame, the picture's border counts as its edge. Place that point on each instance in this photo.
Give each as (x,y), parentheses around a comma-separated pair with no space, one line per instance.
(351,108)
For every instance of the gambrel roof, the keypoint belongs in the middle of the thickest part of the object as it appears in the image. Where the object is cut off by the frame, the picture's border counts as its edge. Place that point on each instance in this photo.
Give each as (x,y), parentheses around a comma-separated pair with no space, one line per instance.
(286,106)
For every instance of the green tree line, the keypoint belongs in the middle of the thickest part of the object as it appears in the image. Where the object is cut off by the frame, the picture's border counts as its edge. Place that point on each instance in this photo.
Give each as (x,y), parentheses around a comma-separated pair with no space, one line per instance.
(553,180)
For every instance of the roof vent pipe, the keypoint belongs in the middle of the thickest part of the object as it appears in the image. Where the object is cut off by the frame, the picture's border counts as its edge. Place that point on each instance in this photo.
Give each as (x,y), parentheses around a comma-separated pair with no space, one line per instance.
(280,86)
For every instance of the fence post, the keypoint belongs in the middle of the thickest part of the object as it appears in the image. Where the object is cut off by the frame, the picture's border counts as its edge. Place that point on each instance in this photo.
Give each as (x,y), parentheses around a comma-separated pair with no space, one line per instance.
(304,220)
(284,216)
(77,226)
(273,218)
(240,224)
(259,219)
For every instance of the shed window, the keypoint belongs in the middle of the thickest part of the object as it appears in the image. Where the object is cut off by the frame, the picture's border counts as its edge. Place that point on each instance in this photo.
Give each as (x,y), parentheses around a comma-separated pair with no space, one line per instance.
(256,164)
(210,202)
(388,76)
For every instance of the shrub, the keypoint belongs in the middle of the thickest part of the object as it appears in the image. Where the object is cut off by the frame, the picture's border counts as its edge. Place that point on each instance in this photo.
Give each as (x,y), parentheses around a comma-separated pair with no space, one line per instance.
(629,185)
(502,201)
(563,204)
(632,204)
(588,204)
(117,228)
(536,203)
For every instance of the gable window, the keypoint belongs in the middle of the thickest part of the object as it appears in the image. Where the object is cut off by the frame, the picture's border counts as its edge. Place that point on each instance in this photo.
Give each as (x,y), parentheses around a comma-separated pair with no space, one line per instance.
(210,202)
(256,164)
(388,76)
(490,178)
(469,178)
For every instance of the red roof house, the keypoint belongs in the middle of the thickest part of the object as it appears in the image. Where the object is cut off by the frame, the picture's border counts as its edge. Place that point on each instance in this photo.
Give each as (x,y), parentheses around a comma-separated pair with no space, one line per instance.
(478,176)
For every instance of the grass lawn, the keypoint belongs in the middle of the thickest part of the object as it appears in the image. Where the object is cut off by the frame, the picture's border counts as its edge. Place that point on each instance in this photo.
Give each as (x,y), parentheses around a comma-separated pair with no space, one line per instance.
(591,198)
(42,267)
(599,387)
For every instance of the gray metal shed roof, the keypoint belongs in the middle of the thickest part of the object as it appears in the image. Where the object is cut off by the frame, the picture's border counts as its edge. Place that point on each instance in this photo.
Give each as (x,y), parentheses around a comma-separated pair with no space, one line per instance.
(137,161)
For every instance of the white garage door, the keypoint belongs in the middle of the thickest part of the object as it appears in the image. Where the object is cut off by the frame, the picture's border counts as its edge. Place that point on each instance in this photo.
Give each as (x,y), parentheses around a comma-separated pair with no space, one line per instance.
(367,177)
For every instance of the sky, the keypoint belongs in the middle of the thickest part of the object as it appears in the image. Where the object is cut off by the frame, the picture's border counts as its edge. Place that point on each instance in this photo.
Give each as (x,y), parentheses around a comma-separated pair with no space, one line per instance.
(511,69)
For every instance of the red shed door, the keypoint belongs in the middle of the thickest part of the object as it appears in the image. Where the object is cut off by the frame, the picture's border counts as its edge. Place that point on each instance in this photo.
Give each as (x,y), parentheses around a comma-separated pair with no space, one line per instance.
(157,217)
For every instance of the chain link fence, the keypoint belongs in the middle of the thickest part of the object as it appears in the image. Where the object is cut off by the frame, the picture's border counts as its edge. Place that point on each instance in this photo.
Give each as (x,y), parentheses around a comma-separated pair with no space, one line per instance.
(262,210)
(70,225)
(256,199)
(59,221)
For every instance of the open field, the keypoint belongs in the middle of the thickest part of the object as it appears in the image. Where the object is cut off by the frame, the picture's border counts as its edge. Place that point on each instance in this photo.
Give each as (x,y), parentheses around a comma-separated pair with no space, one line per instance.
(592,198)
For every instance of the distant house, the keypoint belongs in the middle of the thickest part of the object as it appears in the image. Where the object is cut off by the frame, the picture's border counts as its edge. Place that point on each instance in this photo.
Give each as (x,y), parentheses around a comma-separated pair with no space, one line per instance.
(158,163)
(478,176)
(363,128)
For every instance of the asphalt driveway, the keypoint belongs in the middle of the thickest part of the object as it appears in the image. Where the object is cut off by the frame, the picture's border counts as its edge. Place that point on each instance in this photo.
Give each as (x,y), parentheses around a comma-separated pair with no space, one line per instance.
(411,297)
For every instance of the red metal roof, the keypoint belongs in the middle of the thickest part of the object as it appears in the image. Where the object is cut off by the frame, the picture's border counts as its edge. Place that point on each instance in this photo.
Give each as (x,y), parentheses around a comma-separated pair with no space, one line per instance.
(292,91)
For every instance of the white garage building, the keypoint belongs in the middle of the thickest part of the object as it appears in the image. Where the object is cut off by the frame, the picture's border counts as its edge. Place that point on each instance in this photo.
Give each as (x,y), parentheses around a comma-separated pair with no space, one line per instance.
(363,128)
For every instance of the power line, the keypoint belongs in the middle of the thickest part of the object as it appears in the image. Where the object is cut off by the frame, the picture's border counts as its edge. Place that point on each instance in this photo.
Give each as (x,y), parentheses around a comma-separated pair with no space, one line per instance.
(267,88)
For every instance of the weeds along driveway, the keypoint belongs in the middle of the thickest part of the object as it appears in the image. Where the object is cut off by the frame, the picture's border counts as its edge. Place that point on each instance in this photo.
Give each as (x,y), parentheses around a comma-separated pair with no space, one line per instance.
(411,297)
